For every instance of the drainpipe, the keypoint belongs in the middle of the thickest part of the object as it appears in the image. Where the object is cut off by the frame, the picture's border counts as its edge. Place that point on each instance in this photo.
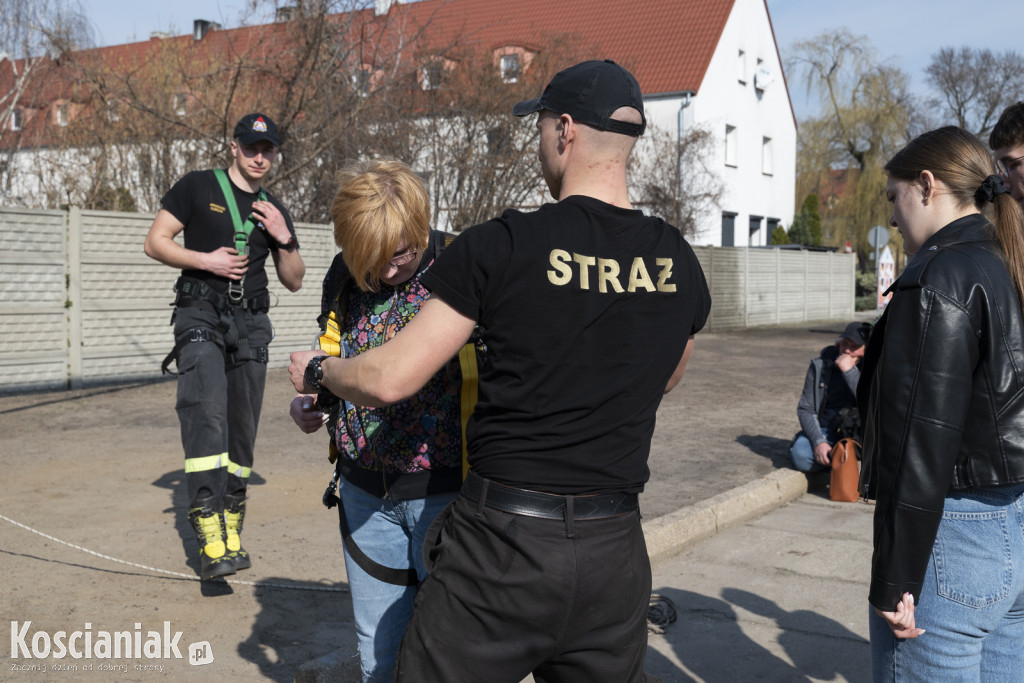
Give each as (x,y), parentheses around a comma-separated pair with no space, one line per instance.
(683,104)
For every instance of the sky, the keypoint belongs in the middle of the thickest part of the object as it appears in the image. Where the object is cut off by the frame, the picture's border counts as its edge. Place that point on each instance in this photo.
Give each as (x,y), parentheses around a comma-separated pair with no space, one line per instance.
(903,33)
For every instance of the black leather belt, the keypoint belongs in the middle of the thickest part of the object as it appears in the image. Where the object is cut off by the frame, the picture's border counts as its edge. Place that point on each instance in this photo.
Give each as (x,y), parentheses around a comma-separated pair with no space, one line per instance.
(546,505)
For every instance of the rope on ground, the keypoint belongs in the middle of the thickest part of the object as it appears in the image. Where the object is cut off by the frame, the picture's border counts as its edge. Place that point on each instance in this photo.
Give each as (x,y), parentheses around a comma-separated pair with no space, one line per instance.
(180,575)
(660,613)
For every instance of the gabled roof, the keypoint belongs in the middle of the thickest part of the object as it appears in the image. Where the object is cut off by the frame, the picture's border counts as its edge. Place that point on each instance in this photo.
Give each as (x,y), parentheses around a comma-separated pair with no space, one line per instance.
(667,44)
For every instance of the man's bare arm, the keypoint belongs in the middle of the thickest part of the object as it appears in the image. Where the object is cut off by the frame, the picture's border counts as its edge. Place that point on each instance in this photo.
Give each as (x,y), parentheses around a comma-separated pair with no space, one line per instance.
(399,368)
(160,245)
(677,374)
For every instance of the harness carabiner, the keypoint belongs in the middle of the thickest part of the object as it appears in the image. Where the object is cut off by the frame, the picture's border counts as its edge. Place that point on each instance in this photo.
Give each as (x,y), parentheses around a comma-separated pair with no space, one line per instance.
(331,494)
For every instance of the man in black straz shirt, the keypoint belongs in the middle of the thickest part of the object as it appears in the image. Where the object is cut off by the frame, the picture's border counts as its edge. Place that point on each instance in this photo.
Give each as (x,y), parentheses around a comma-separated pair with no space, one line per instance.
(221,328)
(588,310)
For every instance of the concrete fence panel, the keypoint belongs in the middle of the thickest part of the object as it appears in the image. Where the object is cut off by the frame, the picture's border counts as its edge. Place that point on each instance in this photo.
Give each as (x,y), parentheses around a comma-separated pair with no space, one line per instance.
(81,304)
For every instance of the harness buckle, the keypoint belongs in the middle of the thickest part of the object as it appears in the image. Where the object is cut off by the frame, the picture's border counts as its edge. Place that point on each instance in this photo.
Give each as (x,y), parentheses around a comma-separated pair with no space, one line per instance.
(236,290)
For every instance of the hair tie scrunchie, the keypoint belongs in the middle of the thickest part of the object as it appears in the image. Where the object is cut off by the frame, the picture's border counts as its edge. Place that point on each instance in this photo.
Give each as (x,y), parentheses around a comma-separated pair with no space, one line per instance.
(991,187)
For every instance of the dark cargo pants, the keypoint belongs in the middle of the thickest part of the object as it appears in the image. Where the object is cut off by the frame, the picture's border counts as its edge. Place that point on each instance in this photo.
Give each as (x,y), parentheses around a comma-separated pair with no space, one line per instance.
(218,406)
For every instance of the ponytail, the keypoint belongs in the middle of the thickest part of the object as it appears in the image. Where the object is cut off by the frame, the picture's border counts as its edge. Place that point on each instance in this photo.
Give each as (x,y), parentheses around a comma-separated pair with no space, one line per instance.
(960,161)
(1009,222)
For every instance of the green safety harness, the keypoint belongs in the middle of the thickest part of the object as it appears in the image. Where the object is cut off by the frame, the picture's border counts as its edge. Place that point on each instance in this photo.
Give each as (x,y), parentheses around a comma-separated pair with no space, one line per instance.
(242,229)
(193,292)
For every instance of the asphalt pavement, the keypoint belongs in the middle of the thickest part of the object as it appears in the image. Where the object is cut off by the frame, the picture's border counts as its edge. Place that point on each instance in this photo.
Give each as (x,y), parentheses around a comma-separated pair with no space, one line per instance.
(767,577)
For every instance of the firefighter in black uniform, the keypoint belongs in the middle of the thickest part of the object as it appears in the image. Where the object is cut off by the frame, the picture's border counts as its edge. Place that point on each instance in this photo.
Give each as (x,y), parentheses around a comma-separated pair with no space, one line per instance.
(588,309)
(221,327)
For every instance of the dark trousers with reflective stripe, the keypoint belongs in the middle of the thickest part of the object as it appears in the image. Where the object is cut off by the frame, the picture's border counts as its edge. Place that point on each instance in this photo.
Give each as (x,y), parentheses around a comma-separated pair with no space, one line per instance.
(508,595)
(218,407)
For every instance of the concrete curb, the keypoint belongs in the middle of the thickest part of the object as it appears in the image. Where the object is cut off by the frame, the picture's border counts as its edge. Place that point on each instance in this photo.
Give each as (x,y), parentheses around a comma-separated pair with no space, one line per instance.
(669,534)
(665,536)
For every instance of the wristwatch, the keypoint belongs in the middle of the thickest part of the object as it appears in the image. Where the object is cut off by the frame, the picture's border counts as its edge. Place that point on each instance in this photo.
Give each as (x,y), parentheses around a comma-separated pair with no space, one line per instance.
(314,374)
(289,245)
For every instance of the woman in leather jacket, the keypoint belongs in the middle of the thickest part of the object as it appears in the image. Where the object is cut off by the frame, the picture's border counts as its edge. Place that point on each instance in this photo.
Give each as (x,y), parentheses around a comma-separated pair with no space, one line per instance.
(942,399)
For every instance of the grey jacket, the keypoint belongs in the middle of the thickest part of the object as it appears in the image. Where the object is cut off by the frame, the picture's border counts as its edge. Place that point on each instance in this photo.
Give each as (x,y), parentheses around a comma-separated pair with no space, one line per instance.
(812,401)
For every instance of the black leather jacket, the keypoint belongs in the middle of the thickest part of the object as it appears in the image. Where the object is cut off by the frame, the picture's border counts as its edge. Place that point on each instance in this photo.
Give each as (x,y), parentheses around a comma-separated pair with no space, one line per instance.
(942,398)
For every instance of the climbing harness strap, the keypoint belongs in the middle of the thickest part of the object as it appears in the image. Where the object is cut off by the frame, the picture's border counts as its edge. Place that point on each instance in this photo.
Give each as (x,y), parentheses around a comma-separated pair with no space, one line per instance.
(242,229)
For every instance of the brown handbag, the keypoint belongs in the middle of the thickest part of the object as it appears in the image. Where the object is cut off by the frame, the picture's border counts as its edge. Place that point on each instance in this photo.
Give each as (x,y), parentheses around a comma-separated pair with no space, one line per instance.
(845,472)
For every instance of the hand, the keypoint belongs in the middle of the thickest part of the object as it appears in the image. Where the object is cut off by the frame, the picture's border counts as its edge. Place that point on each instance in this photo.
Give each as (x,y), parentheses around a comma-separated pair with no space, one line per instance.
(226,262)
(297,369)
(273,221)
(823,453)
(846,361)
(304,413)
(902,620)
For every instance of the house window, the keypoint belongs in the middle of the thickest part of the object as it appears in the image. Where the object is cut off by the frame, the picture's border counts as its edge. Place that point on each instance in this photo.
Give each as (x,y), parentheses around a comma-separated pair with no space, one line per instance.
(766,156)
(755,232)
(62,115)
(510,68)
(741,66)
(731,152)
(112,114)
(16,122)
(180,104)
(499,143)
(361,81)
(728,228)
(431,74)
(770,225)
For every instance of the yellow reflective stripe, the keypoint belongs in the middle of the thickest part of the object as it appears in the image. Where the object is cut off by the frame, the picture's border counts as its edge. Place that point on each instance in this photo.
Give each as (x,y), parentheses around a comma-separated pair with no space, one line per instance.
(206,463)
(467,361)
(237,470)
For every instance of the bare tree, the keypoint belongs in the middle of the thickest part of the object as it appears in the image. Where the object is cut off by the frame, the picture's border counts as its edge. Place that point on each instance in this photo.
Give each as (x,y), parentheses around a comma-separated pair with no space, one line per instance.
(481,159)
(341,82)
(674,178)
(866,114)
(35,32)
(973,85)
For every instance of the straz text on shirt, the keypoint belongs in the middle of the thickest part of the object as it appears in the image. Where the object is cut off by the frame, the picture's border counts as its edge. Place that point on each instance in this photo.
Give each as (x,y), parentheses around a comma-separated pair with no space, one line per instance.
(567,268)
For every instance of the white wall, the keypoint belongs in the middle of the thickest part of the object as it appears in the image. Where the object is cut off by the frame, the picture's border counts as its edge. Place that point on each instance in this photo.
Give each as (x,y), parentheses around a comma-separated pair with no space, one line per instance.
(723,100)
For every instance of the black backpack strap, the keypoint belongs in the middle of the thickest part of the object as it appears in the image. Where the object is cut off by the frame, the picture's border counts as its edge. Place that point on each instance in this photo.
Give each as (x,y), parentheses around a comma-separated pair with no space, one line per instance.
(396,577)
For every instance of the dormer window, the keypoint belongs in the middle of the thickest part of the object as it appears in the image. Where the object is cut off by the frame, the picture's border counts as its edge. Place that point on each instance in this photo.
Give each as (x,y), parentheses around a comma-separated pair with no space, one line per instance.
(431,76)
(16,121)
(62,115)
(510,68)
(180,104)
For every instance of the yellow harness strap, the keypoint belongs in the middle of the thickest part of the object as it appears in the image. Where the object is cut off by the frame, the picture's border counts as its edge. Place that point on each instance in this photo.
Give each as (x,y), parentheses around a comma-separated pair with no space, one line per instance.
(467,362)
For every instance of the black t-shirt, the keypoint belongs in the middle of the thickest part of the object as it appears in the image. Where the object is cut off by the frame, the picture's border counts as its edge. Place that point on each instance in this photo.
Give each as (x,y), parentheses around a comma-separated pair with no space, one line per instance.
(585,309)
(198,201)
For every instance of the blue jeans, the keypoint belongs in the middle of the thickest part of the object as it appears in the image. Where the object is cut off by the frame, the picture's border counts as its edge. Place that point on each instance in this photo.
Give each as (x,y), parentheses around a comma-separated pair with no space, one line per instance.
(391,534)
(802,453)
(972,602)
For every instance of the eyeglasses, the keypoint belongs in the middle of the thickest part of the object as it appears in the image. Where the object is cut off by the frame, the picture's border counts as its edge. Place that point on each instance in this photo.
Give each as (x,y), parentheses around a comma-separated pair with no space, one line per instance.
(1010,164)
(403,259)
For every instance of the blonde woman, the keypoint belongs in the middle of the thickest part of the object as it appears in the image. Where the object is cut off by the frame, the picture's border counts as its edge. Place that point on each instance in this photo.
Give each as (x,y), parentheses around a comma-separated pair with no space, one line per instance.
(400,465)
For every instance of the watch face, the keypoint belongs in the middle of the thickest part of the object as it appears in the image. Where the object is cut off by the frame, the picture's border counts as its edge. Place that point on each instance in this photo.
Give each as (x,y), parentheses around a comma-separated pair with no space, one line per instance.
(314,372)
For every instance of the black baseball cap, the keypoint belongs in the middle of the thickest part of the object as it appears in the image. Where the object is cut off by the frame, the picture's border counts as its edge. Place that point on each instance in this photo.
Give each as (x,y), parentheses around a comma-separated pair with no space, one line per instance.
(255,127)
(858,333)
(590,92)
